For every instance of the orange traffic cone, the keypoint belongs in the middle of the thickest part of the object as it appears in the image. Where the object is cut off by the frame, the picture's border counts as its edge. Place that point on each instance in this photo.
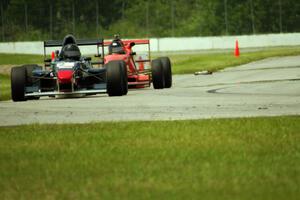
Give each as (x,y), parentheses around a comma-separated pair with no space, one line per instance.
(237,49)
(141,64)
(52,56)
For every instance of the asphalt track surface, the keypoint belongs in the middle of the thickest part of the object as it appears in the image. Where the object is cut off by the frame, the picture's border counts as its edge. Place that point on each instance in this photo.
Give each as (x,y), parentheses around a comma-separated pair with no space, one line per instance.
(269,87)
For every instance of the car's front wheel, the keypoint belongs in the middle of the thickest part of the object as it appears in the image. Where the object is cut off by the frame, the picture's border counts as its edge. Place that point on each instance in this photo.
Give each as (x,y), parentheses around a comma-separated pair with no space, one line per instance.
(116,78)
(29,77)
(18,83)
(166,63)
(125,79)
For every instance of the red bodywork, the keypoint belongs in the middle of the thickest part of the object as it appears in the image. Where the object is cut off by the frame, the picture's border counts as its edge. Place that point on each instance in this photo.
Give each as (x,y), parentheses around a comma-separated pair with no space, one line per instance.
(137,76)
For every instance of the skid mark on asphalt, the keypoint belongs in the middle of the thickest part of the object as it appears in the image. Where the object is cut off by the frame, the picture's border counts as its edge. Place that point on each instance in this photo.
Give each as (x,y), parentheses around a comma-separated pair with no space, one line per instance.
(260,69)
(232,85)
(243,82)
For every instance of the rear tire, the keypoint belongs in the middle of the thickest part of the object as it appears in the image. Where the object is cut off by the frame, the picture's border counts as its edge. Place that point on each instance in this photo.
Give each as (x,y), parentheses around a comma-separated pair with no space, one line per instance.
(157,74)
(18,83)
(115,77)
(166,63)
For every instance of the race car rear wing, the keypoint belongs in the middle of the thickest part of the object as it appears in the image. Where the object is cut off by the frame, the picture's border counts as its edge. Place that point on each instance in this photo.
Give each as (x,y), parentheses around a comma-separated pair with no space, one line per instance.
(82,42)
(145,41)
(136,42)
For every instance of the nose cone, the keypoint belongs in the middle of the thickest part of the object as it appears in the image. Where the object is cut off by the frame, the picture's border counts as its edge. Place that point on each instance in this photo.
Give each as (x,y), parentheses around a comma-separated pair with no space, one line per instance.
(65,76)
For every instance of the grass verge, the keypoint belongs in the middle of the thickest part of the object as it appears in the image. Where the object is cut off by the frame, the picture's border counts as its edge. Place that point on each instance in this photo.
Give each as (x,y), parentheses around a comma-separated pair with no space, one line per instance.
(190,63)
(248,158)
(20,59)
(5,93)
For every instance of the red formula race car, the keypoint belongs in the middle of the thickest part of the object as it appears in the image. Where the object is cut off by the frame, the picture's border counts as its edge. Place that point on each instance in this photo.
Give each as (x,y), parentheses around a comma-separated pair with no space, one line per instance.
(139,76)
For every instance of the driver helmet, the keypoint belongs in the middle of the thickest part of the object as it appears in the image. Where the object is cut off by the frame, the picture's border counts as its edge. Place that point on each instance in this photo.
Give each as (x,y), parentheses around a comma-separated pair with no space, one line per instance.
(116,46)
(71,51)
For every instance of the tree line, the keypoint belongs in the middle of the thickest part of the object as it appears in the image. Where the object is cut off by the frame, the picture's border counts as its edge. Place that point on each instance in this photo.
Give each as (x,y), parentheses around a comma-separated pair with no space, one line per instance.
(52,19)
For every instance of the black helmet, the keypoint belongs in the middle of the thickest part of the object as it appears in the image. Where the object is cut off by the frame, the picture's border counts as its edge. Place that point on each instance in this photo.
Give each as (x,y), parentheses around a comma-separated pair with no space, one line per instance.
(71,51)
(116,47)
(69,39)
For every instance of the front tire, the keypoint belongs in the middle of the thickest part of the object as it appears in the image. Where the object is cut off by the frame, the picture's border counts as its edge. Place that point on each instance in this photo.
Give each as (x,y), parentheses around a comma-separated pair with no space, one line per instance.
(158,78)
(166,63)
(125,77)
(116,79)
(29,77)
(29,69)
(18,83)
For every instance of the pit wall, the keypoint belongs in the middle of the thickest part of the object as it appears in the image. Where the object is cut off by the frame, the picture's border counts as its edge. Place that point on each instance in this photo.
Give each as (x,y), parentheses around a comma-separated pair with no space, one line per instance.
(176,44)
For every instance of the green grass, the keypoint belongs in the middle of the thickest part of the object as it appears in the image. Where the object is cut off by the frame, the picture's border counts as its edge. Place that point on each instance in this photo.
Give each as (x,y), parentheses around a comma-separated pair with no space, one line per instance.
(190,63)
(255,158)
(20,59)
(4,87)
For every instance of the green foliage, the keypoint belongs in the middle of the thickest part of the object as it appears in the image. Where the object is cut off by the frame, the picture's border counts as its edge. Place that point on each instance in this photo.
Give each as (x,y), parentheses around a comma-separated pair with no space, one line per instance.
(254,158)
(144,18)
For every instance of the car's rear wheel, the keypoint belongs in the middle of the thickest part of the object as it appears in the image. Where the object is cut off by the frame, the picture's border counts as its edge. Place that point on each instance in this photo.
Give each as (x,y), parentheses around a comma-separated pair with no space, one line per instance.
(158,78)
(115,77)
(18,83)
(166,63)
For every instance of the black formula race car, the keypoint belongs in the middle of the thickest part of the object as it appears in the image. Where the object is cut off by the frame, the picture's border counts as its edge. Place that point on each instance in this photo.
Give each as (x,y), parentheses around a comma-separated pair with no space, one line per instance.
(68,73)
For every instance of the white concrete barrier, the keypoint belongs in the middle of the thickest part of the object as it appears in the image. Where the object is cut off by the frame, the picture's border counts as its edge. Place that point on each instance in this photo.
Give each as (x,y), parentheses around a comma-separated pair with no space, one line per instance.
(22,47)
(225,42)
(177,44)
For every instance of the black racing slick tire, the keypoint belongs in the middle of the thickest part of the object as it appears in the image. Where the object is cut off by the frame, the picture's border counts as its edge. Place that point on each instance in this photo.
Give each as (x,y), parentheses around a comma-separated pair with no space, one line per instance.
(29,69)
(18,83)
(158,78)
(166,63)
(125,79)
(29,79)
(115,78)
